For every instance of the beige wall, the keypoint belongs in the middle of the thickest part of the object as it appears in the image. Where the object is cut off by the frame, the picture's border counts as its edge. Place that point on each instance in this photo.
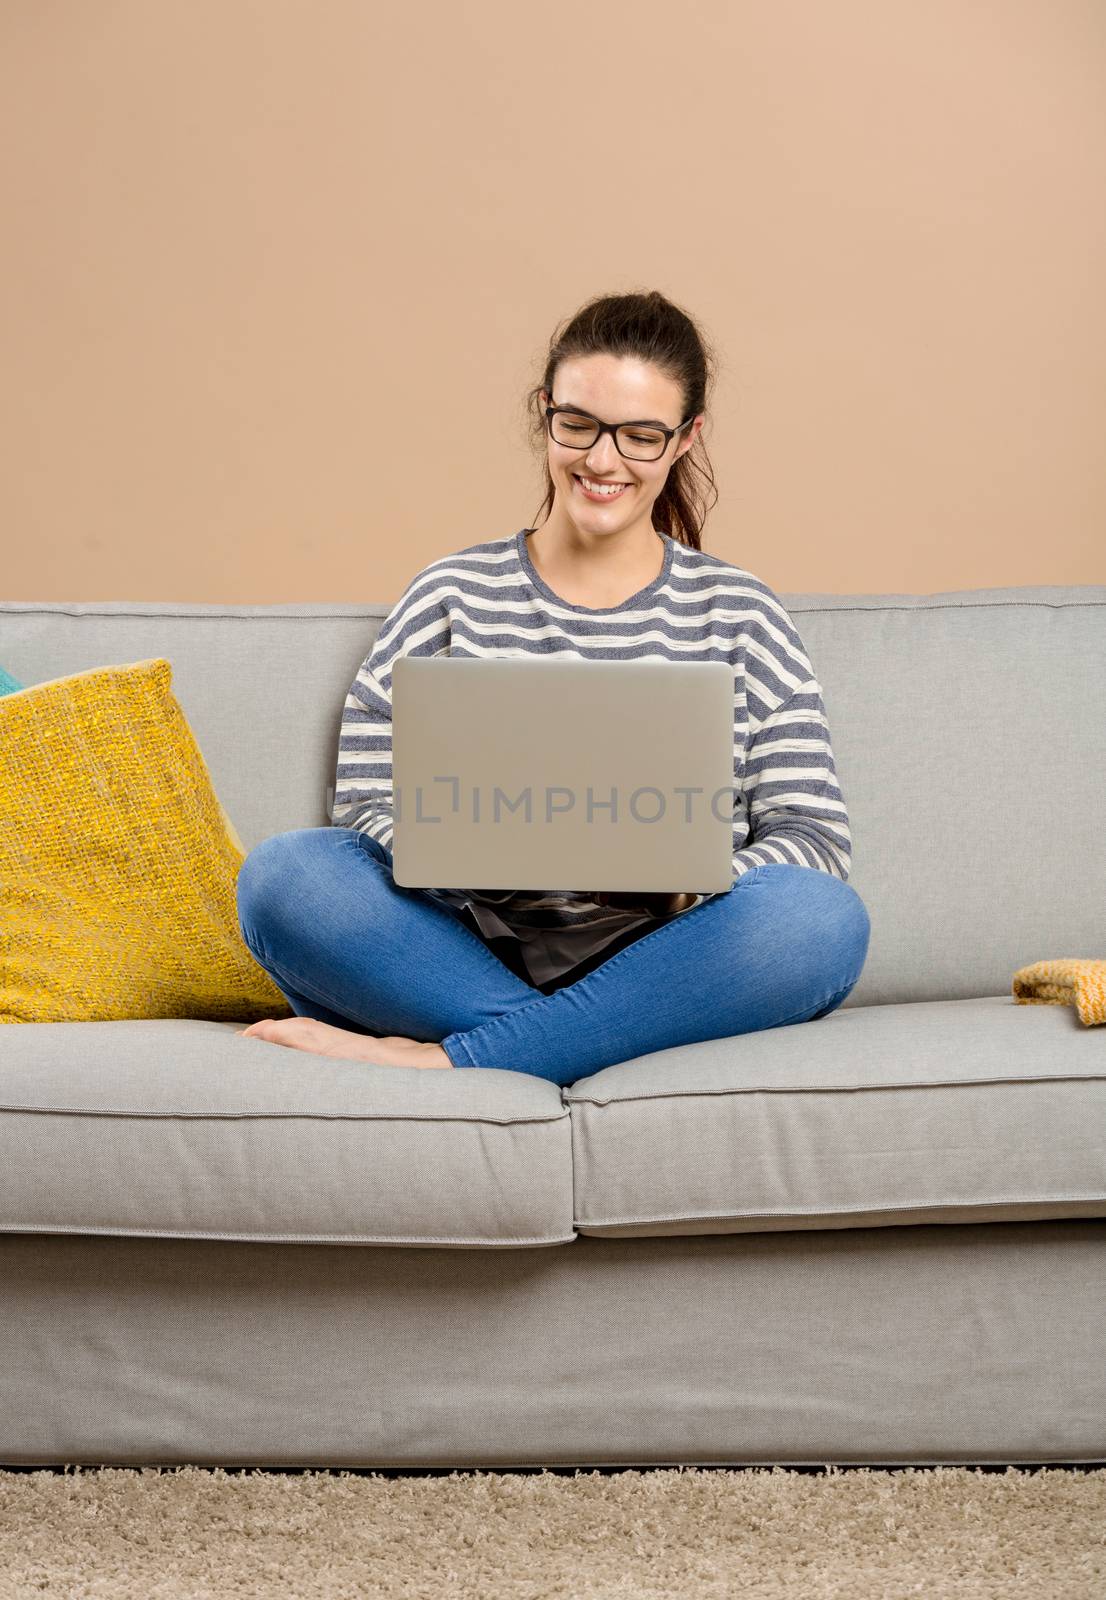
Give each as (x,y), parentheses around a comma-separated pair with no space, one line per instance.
(256,251)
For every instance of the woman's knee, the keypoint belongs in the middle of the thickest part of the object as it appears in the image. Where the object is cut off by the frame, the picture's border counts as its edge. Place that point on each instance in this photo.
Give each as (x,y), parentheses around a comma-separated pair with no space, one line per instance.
(292,877)
(855,925)
(852,930)
(824,910)
(838,907)
(277,870)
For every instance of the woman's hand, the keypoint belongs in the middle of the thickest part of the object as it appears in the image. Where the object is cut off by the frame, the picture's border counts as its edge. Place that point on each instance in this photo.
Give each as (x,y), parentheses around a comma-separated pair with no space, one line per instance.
(657,905)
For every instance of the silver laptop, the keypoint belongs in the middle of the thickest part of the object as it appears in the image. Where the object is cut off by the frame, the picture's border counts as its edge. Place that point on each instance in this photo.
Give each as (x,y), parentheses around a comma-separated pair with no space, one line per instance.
(530,772)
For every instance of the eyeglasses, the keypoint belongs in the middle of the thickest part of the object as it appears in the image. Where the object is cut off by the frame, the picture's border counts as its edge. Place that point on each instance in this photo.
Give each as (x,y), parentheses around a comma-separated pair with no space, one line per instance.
(637,441)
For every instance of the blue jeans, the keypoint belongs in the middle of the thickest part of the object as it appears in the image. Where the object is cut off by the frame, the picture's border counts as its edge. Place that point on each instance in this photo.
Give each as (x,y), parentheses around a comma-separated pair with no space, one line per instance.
(320,912)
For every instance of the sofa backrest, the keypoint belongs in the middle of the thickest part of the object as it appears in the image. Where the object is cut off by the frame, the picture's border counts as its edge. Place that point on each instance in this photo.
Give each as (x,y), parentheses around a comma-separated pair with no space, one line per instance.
(967,729)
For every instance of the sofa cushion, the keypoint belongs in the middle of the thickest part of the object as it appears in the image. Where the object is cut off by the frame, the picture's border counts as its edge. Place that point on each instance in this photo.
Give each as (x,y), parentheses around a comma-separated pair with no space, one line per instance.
(185,1129)
(946,1112)
(943,1111)
(117,861)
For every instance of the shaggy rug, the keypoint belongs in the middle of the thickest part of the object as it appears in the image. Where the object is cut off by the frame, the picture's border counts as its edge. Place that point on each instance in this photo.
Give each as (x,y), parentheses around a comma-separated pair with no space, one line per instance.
(866,1534)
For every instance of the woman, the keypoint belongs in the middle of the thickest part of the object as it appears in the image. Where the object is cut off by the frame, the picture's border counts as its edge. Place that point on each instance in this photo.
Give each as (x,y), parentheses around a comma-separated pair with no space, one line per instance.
(562,984)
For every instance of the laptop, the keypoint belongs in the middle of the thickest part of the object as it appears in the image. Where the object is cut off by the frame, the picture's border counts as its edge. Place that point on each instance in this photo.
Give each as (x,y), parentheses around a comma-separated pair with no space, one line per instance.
(546,773)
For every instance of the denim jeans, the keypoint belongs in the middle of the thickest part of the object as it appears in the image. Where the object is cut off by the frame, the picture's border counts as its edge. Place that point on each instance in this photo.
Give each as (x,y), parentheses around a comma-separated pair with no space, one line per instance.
(320,912)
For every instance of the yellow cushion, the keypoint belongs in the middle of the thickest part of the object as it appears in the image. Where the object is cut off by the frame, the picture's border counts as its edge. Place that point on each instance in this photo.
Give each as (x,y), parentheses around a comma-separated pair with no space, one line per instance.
(117,862)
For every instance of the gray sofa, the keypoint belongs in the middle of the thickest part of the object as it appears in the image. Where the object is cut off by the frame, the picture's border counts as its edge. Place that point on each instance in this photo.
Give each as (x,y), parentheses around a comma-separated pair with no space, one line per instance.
(878,1238)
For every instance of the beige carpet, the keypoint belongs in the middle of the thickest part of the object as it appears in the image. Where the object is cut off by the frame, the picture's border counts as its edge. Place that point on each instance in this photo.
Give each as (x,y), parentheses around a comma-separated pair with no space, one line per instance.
(864,1534)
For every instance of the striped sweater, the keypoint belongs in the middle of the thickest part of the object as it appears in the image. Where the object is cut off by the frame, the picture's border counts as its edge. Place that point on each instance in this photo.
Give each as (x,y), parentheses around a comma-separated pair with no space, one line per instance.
(489,600)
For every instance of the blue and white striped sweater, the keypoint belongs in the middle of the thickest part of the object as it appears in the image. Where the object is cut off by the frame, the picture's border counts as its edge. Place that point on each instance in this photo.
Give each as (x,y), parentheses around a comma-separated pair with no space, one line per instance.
(489,600)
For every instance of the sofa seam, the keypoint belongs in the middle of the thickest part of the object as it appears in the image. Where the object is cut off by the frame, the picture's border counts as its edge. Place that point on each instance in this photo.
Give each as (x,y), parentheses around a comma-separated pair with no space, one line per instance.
(383,611)
(833,1088)
(283,1238)
(552,1118)
(841,1211)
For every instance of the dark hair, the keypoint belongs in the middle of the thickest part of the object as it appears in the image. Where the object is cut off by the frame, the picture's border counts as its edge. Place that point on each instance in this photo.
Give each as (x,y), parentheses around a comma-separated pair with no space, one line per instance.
(648,326)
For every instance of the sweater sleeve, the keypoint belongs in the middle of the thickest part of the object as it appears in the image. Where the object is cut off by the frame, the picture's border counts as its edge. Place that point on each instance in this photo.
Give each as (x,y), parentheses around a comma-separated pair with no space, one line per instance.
(791,808)
(417,625)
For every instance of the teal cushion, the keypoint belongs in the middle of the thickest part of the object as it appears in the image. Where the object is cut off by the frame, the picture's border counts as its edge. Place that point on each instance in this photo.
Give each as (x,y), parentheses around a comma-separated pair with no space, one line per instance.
(8,684)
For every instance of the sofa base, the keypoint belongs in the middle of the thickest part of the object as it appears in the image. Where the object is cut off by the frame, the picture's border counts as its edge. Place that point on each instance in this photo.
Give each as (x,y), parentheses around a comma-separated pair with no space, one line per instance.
(894,1346)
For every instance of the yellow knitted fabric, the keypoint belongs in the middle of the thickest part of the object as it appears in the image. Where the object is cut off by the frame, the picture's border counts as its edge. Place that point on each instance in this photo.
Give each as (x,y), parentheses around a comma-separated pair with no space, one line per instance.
(1059,982)
(117,862)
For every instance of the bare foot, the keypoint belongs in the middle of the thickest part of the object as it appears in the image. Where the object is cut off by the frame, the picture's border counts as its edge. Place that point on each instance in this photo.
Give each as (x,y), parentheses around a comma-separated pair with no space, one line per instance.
(322,1039)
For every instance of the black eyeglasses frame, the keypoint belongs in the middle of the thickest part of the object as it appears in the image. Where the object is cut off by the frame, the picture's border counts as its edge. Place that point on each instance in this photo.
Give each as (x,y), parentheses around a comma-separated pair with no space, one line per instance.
(612,428)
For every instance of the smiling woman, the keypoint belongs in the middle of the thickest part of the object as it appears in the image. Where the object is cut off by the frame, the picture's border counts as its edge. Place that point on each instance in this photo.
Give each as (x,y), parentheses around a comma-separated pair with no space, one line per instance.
(620,408)
(621,402)
(613,571)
